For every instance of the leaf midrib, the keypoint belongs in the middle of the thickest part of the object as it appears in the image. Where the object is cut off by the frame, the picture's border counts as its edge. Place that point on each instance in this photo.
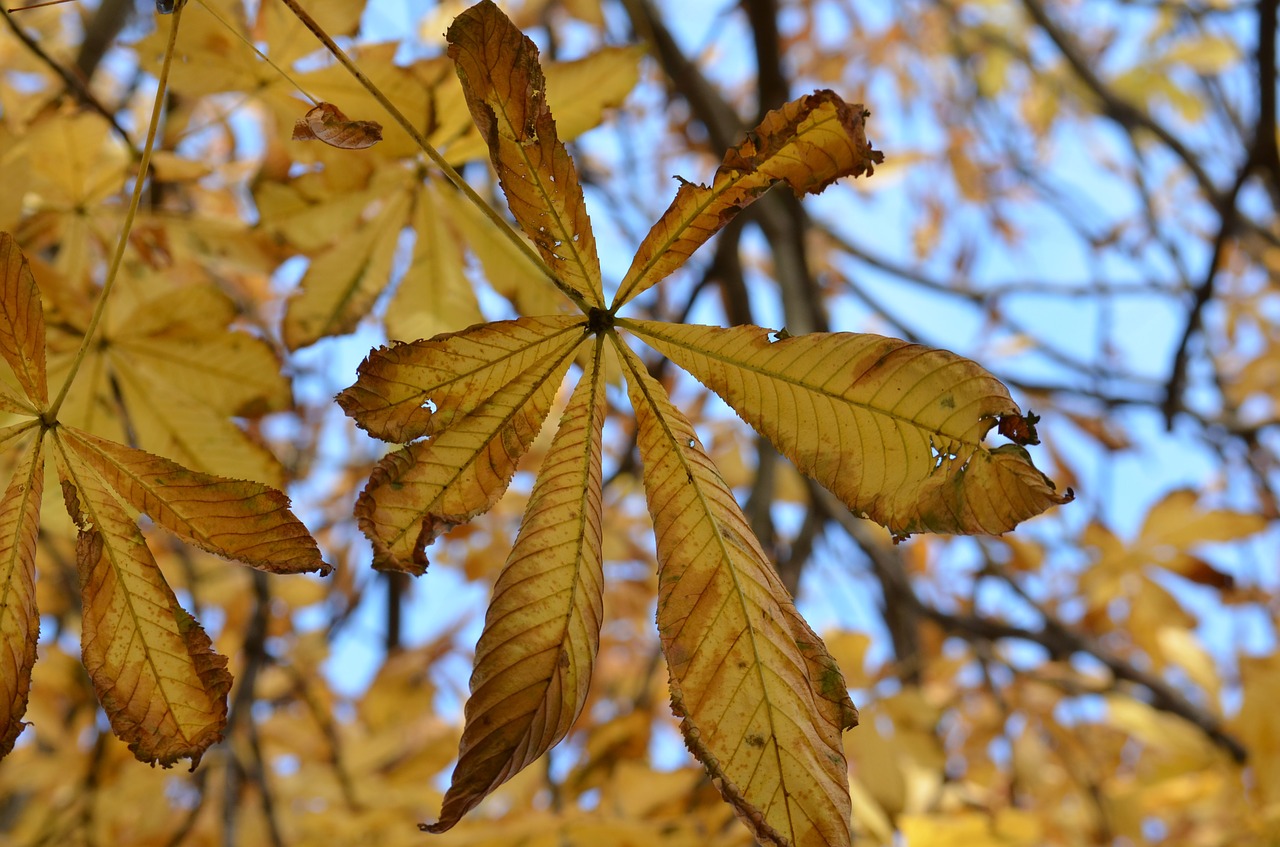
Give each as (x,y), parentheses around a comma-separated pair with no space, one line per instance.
(638,327)
(87,505)
(595,285)
(629,357)
(506,420)
(631,282)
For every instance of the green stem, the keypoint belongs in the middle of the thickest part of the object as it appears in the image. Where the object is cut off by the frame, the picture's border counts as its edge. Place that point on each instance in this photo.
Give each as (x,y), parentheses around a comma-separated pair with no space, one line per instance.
(434,155)
(144,164)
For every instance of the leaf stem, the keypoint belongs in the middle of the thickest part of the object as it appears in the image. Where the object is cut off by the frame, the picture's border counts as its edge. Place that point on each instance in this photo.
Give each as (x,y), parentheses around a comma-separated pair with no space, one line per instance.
(434,155)
(263,56)
(144,165)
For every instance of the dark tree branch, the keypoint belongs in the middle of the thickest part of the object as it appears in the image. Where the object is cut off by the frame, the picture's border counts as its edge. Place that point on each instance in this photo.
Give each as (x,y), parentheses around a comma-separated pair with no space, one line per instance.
(1059,639)
(1112,105)
(75,84)
(100,31)
(1263,157)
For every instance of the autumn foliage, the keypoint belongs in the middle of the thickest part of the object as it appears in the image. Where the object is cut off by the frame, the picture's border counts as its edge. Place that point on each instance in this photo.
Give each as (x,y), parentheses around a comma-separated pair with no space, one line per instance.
(582,453)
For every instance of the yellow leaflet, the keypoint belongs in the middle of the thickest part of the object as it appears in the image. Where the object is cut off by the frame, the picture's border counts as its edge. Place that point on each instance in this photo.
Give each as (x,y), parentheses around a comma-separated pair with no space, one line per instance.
(754,707)
(181,339)
(192,434)
(506,91)
(342,283)
(246,521)
(434,294)
(808,143)
(153,668)
(10,403)
(893,429)
(12,433)
(168,372)
(508,269)
(405,391)
(22,323)
(416,494)
(542,631)
(19,621)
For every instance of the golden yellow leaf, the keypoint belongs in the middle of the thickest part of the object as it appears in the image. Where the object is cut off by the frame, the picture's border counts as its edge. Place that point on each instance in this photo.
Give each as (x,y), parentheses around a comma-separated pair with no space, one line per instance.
(534,659)
(1178,522)
(434,296)
(22,323)
(506,91)
(508,270)
(405,391)
(178,336)
(416,494)
(745,680)
(808,143)
(325,122)
(153,668)
(342,283)
(1204,53)
(76,166)
(19,621)
(236,519)
(166,375)
(893,429)
(1256,725)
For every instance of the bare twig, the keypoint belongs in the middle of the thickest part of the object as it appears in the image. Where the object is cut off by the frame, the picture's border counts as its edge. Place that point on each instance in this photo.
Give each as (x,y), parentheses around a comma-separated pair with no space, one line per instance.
(1263,157)
(75,84)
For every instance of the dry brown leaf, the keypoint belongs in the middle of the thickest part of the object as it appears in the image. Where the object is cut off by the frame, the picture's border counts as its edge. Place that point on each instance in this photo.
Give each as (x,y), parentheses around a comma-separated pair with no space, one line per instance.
(22,323)
(416,494)
(235,519)
(19,620)
(326,122)
(405,391)
(154,670)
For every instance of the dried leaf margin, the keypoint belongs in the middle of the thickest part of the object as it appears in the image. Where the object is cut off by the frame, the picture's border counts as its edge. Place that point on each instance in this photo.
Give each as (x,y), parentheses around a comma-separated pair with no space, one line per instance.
(807,143)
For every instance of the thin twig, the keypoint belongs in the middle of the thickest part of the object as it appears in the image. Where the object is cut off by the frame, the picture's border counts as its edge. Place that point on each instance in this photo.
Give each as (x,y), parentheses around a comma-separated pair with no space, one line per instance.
(73,82)
(433,154)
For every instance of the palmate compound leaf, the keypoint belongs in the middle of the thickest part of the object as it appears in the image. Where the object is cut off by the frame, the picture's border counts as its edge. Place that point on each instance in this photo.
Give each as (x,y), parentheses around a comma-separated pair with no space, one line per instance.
(416,494)
(762,705)
(506,91)
(153,668)
(807,143)
(535,656)
(893,429)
